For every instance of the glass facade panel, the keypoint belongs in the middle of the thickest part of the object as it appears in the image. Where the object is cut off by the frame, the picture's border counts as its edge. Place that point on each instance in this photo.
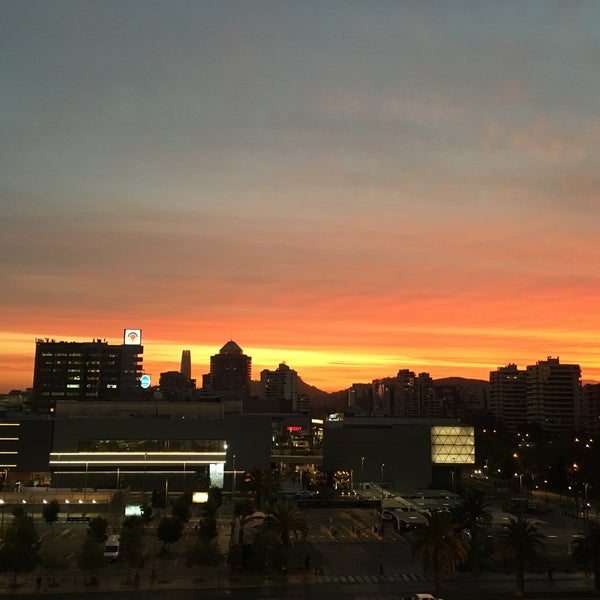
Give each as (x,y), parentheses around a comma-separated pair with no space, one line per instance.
(452,445)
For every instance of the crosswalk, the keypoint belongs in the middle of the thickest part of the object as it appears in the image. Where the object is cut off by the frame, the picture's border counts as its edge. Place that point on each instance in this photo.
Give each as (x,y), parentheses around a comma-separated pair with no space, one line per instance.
(391,578)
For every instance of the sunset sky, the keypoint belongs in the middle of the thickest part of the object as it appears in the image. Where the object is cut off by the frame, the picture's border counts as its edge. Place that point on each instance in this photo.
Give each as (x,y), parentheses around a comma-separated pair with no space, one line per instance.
(349,187)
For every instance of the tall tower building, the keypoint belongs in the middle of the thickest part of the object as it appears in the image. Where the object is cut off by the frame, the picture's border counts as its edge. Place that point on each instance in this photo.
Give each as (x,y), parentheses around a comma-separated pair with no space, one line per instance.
(186,364)
(230,372)
(554,395)
(93,370)
(508,396)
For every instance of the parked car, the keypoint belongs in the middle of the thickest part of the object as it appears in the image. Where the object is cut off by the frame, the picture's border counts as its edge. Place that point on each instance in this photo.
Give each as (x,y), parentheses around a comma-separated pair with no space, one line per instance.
(112,548)
(304,494)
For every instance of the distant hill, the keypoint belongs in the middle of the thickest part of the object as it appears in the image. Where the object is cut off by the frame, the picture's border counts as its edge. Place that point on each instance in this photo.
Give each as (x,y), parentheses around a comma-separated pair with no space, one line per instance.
(304,389)
(320,401)
(462,381)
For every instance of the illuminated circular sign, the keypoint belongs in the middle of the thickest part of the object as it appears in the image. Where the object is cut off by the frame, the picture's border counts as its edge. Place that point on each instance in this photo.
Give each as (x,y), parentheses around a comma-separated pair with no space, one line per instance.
(145,381)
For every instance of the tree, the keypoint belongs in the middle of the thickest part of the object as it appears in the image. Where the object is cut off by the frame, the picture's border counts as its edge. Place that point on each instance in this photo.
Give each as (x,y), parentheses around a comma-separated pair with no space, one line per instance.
(169,530)
(19,551)
(520,540)
(50,512)
(261,482)
(202,479)
(159,498)
(204,552)
(91,556)
(586,551)
(52,563)
(441,545)
(98,528)
(181,508)
(472,513)
(215,498)
(132,532)
(287,518)
(208,526)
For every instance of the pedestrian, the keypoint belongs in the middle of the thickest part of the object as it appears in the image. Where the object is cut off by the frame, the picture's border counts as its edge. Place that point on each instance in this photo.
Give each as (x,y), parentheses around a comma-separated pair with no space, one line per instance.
(381,573)
(136,578)
(38,583)
(152,576)
(551,575)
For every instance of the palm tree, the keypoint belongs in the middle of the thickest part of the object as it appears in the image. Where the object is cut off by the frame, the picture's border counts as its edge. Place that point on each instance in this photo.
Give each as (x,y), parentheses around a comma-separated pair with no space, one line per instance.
(261,482)
(441,544)
(287,518)
(472,512)
(520,540)
(587,550)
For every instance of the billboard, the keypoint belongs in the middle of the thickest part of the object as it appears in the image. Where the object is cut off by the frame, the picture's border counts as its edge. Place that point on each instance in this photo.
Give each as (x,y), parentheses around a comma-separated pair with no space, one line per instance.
(132,337)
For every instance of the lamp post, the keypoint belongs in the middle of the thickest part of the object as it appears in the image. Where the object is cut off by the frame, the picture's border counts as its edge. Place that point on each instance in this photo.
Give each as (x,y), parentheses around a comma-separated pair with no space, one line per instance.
(233,482)
(85,482)
(381,483)
(362,469)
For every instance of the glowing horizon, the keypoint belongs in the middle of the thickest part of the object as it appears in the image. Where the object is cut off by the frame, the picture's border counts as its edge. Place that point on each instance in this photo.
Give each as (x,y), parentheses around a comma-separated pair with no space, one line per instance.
(328,369)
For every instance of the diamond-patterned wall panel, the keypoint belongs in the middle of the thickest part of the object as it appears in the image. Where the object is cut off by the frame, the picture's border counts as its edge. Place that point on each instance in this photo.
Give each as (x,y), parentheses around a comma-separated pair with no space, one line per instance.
(452,445)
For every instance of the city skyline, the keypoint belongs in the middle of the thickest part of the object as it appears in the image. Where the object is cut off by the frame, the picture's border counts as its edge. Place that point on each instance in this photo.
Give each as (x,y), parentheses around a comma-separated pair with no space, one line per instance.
(198,369)
(350,188)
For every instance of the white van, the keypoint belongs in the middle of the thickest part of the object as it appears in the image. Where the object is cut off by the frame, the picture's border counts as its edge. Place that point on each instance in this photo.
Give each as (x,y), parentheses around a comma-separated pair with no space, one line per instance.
(112,548)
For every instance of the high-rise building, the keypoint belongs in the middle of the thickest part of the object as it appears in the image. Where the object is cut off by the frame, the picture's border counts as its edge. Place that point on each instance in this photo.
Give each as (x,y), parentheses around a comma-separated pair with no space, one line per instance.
(554,395)
(508,396)
(230,372)
(360,397)
(186,364)
(590,409)
(175,386)
(93,370)
(280,387)
(406,395)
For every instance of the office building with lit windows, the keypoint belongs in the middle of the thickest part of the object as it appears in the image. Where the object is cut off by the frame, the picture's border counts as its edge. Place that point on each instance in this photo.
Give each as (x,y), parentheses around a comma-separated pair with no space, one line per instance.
(94,370)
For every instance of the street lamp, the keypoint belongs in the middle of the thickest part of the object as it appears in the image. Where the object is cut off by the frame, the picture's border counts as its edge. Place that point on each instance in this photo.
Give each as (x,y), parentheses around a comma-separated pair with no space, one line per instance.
(233,482)
(362,469)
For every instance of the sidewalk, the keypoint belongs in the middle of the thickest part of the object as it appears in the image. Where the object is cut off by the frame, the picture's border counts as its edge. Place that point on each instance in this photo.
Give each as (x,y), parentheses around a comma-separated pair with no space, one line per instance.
(462,585)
